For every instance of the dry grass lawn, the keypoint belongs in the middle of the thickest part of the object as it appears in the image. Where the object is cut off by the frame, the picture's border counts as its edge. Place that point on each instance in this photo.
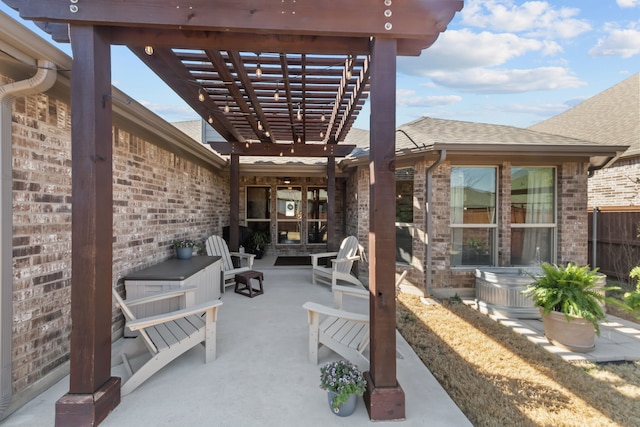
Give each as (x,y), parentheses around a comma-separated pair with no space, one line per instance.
(499,378)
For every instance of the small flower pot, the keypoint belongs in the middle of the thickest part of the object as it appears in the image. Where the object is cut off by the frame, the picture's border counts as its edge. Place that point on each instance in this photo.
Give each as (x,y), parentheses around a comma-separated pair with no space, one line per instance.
(345,409)
(184,253)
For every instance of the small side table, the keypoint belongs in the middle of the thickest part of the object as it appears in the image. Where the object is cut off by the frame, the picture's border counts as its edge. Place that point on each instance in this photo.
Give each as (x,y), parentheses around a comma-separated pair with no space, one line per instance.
(244,278)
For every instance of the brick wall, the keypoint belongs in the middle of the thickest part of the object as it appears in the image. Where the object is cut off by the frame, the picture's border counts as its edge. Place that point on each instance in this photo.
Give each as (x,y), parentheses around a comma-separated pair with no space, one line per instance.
(416,275)
(504,213)
(441,276)
(573,221)
(618,185)
(158,197)
(41,238)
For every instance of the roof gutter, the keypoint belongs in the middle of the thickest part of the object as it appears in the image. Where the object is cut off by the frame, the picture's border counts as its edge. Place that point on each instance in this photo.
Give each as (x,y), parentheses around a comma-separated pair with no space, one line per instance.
(43,80)
(429,225)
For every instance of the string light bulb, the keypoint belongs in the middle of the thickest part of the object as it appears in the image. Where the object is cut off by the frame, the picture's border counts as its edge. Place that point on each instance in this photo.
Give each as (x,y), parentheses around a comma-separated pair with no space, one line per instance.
(246,144)
(321,134)
(276,95)
(323,118)
(258,69)
(299,114)
(299,140)
(210,120)
(349,67)
(226,105)
(259,125)
(148,50)
(267,134)
(201,96)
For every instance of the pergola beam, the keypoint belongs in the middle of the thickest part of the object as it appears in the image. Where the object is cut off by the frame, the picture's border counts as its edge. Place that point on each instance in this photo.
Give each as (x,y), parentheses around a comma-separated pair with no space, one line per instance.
(170,70)
(409,19)
(282,150)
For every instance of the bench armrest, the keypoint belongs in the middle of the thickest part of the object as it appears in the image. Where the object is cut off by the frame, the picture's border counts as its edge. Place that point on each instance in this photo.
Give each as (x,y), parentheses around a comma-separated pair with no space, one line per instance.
(316,257)
(179,314)
(313,307)
(244,255)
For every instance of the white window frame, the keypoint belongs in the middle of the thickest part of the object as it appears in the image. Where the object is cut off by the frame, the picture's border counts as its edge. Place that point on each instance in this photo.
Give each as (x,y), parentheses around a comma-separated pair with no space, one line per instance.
(493,227)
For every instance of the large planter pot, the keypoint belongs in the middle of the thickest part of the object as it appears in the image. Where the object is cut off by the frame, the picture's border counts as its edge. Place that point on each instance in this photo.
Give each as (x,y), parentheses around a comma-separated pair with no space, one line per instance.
(184,253)
(345,409)
(577,335)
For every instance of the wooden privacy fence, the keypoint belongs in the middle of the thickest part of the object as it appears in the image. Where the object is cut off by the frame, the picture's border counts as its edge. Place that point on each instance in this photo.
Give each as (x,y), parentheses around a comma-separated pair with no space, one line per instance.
(616,241)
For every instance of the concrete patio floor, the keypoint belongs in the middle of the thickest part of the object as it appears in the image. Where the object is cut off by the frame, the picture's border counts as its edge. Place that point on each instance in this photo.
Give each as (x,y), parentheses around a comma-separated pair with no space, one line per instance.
(262,376)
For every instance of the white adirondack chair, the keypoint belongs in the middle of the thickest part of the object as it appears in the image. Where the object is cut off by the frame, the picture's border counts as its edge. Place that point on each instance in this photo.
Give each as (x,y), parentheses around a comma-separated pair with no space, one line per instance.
(340,266)
(167,336)
(342,331)
(216,246)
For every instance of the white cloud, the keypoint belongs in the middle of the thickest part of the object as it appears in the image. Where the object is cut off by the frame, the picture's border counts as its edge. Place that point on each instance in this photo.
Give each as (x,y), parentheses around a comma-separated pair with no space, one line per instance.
(619,42)
(481,80)
(410,98)
(628,3)
(463,49)
(532,17)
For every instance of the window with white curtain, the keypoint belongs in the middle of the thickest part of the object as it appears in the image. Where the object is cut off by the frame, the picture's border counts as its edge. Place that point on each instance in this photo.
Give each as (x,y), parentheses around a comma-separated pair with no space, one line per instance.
(473,223)
(533,215)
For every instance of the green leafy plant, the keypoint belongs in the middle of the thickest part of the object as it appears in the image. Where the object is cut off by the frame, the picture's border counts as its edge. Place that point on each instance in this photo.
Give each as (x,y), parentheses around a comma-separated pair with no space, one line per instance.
(257,241)
(476,245)
(571,290)
(186,243)
(632,299)
(342,378)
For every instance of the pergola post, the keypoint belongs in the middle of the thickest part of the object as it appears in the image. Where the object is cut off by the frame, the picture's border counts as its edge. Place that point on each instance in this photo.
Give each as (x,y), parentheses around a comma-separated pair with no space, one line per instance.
(234,202)
(331,203)
(384,397)
(93,393)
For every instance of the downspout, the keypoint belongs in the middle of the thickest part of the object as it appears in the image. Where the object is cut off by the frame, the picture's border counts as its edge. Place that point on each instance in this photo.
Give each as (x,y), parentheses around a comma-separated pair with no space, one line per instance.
(44,78)
(429,226)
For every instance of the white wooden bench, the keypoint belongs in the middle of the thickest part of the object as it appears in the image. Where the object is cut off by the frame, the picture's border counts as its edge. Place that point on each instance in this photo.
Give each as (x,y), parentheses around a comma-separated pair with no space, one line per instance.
(167,336)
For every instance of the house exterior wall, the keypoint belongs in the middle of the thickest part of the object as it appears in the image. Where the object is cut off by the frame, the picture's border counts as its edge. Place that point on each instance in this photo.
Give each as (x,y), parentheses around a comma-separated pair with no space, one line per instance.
(572,222)
(617,185)
(158,197)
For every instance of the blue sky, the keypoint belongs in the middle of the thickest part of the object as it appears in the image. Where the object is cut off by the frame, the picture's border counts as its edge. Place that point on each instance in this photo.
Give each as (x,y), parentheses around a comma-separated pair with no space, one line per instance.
(500,61)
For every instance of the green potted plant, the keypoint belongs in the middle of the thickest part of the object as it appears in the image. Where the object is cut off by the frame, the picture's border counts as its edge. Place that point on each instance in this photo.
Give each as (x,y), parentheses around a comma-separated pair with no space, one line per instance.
(257,243)
(571,302)
(185,247)
(343,382)
(632,299)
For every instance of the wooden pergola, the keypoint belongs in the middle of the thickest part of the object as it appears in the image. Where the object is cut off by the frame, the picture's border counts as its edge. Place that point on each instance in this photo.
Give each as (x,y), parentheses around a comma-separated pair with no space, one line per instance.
(285,77)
